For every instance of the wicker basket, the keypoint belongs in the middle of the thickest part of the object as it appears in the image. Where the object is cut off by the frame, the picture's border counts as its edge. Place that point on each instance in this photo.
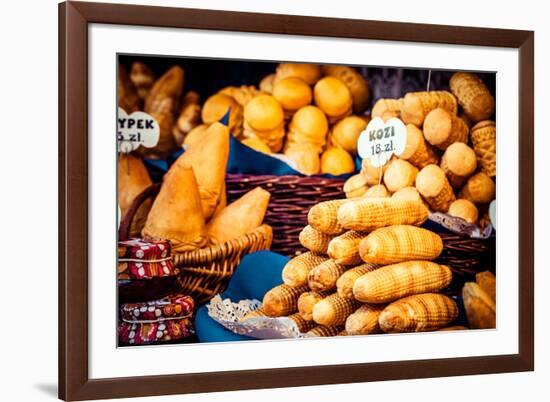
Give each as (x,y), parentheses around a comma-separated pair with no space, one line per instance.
(293,196)
(466,256)
(291,199)
(205,272)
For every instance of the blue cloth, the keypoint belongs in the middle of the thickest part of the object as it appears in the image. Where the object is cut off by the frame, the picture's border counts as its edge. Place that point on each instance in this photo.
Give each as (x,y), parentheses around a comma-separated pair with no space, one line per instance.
(162,165)
(256,274)
(461,319)
(242,159)
(245,160)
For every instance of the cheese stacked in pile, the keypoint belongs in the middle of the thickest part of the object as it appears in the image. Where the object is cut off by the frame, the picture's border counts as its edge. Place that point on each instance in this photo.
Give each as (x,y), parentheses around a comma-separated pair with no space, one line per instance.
(449,160)
(369,269)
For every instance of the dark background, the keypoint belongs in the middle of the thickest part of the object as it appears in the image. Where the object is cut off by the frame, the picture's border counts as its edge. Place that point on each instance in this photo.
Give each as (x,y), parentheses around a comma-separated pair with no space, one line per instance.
(207,76)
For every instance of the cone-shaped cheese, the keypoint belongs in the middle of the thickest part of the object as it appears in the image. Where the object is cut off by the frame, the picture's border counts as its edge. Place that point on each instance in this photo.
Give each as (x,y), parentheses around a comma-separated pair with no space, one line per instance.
(142,77)
(223,201)
(133,178)
(264,113)
(189,117)
(309,125)
(240,217)
(473,95)
(443,128)
(169,85)
(310,73)
(305,157)
(176,214)
(355,82)
(355,186)
(264,118)
(407,193)
(372,174)
(417,150)
(161,103)
(216,107)
(165,117)
(479,189)
(435,188)
(256,144)
(417,105)
(127,96)
(333,97)
(292,93)
(479,306)
(458,163)
(387,107)
(336,161)
(487,281)
(266,84)
(399,174)
(194,135)
(208,158)
(483,137)
(346,132)
(242,94)
(464,209)
(377,191)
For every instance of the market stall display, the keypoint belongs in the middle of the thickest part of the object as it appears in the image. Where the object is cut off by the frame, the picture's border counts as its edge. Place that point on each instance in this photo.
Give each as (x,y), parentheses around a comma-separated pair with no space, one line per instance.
(273,163)
(398,271)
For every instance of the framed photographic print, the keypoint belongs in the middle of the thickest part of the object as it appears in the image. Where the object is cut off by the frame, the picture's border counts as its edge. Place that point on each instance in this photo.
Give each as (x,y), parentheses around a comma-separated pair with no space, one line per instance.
(259,201)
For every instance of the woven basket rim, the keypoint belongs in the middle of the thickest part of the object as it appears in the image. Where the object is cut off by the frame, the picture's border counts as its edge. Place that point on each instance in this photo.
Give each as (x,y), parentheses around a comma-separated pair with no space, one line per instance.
(313,179)
(211,253)
(224,250)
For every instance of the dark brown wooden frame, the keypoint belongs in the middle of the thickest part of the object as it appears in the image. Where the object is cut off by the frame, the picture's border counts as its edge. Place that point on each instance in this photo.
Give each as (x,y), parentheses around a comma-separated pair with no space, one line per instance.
(74,17)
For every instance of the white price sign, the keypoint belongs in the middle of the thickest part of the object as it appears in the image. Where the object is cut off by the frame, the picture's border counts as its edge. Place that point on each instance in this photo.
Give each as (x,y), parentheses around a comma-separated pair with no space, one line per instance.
(380,140)
(135,130)
(493,213)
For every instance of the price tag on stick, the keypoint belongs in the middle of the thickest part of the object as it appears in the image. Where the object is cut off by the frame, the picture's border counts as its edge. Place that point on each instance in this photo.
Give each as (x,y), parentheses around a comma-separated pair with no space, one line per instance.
(380,140)
(135,130)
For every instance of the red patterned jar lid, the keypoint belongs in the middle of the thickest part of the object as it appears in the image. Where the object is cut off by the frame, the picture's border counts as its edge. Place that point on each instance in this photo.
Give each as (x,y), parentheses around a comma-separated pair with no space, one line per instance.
(169,308)
(144,249)
(144,334)
(145,259)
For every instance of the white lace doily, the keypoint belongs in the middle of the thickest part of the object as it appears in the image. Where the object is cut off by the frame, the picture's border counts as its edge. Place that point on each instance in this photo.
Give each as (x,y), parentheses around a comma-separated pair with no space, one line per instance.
(460,226)
(229,314)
